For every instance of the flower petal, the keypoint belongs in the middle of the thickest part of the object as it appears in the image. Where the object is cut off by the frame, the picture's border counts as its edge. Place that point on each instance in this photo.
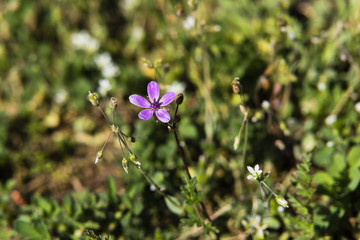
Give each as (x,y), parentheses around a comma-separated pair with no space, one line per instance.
(146,114)
(153,91)
(250,169)
(167,98)
(162,115)
(250,177)
(257,167)
(139,101)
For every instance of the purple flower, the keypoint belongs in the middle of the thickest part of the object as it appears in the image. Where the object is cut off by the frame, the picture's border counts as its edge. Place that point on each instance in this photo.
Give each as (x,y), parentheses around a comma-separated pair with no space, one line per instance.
(153,104)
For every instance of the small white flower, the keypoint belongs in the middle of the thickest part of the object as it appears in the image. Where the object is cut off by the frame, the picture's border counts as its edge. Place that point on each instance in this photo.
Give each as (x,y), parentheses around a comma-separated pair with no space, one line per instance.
(83,41)
(189,22)
(177,87)
(102,60)
(265,105)
(110,71)
(330,119)
(357,107)
(104,86)
(254,173)
(61,96)
(330,144)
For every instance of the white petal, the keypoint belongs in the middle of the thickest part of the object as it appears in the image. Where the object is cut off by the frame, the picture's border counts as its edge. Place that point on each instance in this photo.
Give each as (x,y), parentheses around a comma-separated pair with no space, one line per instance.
(250,169)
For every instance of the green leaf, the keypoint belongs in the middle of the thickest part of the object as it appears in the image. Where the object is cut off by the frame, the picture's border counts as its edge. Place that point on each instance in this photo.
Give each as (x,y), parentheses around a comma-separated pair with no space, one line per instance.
(337,165)
(323,178)
(26,229)
(353,156)
(42,230)
(111,189)
(174,205)
(322,157)
(354,174)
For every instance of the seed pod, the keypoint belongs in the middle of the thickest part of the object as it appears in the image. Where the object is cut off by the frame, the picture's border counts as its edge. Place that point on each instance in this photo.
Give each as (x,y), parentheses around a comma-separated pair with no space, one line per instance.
(113,103)
(236,86)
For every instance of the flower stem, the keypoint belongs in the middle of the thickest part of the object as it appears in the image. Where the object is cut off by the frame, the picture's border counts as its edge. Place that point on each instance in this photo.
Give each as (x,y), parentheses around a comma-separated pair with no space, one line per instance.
(188,172)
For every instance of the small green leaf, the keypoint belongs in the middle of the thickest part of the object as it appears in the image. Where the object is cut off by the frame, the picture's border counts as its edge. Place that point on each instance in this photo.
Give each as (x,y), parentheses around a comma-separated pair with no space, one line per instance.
(354,174)
(323,178)
(353,156)
(42,230)
(26,229)
(174,205)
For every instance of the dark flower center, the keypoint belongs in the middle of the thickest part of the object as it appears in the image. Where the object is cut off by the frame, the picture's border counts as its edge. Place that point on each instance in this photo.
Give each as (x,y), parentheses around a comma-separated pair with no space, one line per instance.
(155,105)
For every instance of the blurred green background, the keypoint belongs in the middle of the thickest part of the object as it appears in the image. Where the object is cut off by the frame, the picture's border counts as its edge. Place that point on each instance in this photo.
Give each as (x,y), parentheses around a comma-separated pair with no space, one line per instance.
(298,65)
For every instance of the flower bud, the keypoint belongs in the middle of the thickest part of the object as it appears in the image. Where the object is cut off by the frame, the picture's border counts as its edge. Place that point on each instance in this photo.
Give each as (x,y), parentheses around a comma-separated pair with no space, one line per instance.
(134,160)
(236,142)
(113,103)
(125,165)
(94,99)
(158,63)
(99,156)
(281,201)
(179,99)
(147,63)
(177,118)
(166,67)
(131,139)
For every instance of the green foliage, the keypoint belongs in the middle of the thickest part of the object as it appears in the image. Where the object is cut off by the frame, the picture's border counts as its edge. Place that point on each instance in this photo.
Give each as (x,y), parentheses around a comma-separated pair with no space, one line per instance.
(298,65)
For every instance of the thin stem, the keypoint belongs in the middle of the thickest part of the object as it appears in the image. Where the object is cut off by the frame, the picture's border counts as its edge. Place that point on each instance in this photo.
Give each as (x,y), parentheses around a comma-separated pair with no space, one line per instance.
(188,172)
(157,188)
(102,149)
(268,188)
(104,116)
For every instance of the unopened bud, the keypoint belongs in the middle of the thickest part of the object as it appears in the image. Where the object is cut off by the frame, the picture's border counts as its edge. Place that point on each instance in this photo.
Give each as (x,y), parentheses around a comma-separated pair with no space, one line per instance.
(94,99)
(236,142)
(281,201)
(166,67)
(125,165)
(177,118)
(99,156)
(179,99)
(147,63)
(158,63)
(113,103)
(266,174)
(236,86)
(131,139)
(134,160)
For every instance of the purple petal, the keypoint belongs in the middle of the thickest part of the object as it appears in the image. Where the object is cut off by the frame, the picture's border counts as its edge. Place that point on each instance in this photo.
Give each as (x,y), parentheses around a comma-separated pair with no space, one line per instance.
(167,98)
(139,101)
(153,91)
(162,115)
(146,114)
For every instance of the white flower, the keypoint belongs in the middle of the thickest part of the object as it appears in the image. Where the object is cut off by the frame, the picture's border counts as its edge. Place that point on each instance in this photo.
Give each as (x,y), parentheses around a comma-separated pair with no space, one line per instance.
(110,71)
(357,107)
(61,96)
(104,86)
(254,173)
(83,41)
(102,60)
(189,22)
(330,119)
(177,87)
(105,63)
(265,105)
